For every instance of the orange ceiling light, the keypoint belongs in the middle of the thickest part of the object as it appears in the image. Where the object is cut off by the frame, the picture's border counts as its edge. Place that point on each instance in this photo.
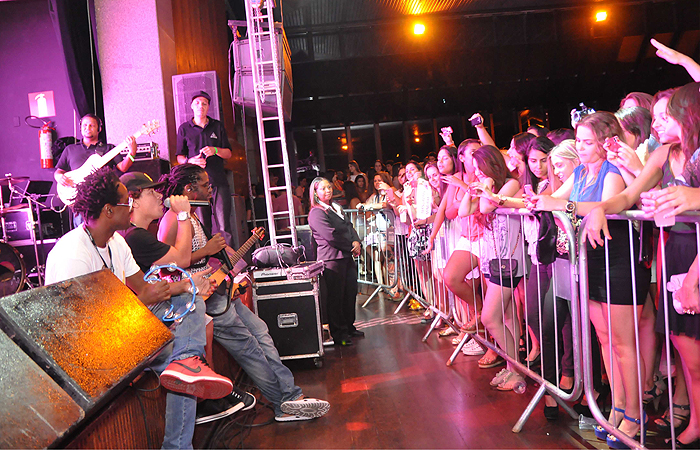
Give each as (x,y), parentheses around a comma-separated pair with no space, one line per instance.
(418,29)
(601,16)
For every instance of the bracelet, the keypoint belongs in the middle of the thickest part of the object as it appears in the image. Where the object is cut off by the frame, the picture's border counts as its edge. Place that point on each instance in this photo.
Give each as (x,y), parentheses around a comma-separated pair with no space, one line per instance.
(216,150)
(131,157)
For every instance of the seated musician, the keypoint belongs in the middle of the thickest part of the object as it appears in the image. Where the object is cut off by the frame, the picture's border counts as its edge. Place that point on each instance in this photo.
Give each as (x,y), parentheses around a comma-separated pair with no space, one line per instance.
(103,202)
(147,206)
(243,334)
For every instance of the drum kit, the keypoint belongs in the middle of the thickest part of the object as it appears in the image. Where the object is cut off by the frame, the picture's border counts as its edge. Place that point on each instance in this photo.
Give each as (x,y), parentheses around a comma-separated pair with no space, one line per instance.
(13,270)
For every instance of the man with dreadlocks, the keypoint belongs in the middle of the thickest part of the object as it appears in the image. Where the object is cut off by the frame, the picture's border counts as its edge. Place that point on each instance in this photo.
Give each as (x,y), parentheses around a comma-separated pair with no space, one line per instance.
(243,334)
(104,204)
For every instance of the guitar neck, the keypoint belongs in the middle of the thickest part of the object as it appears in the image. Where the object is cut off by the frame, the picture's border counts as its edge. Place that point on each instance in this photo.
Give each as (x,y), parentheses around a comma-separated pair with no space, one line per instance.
(243,250)
(107,157)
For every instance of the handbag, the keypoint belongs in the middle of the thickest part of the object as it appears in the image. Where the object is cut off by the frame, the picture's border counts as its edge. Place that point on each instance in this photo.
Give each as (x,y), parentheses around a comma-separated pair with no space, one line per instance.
(505,268)
(418,241)
(277,256)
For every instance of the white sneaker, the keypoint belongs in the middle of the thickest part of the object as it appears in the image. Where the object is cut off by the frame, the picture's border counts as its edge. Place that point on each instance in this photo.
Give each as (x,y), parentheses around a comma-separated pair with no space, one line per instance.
(500,376)
(472,348)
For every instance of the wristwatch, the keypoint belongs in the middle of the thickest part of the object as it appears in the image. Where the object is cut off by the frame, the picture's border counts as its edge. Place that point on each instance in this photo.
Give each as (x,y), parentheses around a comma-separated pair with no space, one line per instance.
(570,207)
(182,216)
(501,199)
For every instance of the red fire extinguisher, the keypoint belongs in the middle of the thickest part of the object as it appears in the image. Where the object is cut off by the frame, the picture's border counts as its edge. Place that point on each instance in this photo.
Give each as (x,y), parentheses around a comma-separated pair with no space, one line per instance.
(46,144)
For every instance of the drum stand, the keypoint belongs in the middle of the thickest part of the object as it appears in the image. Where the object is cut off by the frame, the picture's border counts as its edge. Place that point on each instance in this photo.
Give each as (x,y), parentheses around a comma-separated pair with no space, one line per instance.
(31,202)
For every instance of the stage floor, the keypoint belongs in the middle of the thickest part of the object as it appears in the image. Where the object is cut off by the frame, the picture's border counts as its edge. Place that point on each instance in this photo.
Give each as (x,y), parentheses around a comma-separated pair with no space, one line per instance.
(390,390)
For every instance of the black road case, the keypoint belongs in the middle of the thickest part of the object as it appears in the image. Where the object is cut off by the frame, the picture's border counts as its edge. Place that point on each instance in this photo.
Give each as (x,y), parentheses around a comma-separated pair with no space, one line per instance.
(291,310)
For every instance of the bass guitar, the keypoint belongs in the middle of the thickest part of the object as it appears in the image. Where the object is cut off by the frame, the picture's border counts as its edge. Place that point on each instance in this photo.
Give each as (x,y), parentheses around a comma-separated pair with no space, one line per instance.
(94,162)
(225,270)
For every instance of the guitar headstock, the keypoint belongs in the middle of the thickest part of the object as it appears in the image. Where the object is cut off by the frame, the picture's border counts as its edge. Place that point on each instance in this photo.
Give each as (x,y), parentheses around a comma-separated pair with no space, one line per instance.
(259,233)
(150,126)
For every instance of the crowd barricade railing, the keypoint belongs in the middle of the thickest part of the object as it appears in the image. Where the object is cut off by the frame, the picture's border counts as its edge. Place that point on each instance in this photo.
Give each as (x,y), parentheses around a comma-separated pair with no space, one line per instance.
(562,292)
(376,264)
(631,219)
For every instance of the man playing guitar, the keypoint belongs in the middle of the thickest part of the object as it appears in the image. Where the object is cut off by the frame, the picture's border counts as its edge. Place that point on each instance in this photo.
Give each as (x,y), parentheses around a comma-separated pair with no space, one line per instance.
(243,334)
(75,155)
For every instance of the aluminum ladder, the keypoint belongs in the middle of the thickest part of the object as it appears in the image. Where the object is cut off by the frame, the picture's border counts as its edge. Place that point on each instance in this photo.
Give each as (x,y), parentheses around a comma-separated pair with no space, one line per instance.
(261,25)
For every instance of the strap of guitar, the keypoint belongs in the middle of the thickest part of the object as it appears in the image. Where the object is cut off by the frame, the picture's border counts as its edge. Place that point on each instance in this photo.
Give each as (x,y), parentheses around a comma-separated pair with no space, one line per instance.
(223,257)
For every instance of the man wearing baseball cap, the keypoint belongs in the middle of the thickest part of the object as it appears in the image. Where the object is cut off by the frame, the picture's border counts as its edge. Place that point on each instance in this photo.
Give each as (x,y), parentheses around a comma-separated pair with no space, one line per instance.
(203,141)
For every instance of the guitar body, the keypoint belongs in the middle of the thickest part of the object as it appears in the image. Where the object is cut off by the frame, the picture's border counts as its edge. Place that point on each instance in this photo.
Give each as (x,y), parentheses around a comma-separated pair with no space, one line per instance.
(67,193)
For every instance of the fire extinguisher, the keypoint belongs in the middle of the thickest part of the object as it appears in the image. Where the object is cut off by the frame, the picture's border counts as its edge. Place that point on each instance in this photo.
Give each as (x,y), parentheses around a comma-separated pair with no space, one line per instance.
(46,144)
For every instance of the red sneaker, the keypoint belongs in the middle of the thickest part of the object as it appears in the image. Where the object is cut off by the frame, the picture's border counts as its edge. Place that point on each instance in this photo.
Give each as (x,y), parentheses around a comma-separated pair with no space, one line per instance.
(193,376)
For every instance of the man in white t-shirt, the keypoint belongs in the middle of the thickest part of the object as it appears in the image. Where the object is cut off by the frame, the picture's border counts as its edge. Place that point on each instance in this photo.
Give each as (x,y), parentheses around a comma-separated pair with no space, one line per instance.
(104,204)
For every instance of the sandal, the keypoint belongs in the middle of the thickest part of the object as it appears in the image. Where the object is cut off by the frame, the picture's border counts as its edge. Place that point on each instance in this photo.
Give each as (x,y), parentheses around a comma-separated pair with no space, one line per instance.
(491,360)
(473,325)
(654,394)
(664,425)
(449,331)
(511,382)
(456,340)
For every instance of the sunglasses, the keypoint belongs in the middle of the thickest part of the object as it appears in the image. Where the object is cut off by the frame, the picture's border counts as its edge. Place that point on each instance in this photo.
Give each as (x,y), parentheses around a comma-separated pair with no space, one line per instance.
(130,204)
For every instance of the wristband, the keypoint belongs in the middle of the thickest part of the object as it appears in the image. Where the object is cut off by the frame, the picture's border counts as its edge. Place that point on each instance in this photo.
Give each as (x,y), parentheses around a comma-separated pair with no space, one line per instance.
(131,157)
(216,150)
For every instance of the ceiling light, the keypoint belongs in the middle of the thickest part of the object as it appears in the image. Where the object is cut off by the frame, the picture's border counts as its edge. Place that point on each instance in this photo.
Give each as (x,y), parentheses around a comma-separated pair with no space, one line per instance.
(601,16)
(418,28)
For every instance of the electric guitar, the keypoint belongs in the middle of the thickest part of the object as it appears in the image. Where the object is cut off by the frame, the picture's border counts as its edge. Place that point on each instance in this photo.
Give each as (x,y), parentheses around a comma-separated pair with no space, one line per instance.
(94,162)
(220,275)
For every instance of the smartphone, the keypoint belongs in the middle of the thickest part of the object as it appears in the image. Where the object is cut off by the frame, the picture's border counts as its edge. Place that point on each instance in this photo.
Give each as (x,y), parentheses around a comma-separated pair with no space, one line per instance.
(476,121)
(613,143)
(446,130)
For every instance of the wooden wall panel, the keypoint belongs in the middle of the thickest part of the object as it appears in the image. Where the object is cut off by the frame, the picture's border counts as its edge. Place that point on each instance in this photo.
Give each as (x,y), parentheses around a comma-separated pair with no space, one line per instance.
(202,43)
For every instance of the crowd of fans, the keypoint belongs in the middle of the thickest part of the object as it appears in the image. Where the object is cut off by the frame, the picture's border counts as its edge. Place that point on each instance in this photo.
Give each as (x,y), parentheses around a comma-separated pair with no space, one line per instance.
(645,155)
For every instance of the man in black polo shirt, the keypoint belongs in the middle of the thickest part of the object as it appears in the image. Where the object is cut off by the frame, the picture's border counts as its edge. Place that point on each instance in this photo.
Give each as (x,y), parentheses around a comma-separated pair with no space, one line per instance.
(75,155)
(203,141)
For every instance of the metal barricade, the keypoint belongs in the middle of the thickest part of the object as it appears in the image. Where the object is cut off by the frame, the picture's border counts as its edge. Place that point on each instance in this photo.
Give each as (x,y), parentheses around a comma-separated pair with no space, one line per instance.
(377,265)
(641,352)
(564,294)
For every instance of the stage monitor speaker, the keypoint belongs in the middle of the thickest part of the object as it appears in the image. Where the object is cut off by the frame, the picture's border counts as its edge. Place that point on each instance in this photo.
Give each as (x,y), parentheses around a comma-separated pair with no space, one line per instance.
(243,93)
(90,334)
(34,411)
(188,84)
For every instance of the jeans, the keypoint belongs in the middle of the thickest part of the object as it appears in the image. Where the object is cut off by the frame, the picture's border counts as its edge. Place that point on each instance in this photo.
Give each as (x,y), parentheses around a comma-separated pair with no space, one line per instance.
(220,211)
(190,338)
(245,336)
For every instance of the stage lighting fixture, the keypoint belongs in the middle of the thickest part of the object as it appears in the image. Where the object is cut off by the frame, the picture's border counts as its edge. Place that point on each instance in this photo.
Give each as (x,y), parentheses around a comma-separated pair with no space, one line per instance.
(601,16)
(418,28)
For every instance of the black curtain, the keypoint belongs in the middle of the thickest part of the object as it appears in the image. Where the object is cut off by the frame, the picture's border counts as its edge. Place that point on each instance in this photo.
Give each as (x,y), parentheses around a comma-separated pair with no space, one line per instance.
(74,23)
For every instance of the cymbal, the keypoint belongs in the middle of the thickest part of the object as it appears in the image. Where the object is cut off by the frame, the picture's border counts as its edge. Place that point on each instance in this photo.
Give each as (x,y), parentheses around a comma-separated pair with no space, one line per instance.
(11,180)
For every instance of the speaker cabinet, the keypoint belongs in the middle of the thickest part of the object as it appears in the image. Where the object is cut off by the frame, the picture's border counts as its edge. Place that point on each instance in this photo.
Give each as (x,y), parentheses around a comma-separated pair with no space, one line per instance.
(186,85)
(154,168)
(243,92)
(34,411)
(90,334)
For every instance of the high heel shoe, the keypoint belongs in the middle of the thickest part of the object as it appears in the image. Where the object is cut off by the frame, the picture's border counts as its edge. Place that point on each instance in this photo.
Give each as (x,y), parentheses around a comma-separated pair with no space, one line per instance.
(614,442)
(600,432)
(551,413)
(603,394)
(663,424)
(654,394)
(679,444)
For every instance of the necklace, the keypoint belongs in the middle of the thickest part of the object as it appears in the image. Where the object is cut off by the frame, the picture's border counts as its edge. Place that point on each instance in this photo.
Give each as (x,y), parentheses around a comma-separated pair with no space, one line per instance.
(109,250)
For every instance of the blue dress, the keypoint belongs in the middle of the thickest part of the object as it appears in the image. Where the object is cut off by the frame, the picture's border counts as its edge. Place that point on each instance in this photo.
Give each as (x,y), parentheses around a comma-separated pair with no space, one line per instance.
(620,271)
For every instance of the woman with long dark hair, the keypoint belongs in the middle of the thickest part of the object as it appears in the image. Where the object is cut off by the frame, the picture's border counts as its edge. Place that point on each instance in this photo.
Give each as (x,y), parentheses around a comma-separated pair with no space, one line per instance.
(596,180)
(672,165)
(503,243)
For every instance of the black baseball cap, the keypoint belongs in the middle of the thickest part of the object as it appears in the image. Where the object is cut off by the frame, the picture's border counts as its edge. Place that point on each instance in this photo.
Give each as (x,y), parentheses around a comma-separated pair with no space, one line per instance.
(201,94)
(138,181)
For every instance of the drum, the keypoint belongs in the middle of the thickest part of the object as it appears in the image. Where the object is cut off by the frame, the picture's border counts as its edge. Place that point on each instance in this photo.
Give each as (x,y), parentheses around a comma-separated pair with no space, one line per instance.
(13,272)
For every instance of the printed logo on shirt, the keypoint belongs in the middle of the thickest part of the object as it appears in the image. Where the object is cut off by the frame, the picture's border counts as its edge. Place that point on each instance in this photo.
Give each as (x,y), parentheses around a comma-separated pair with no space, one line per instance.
(213,136)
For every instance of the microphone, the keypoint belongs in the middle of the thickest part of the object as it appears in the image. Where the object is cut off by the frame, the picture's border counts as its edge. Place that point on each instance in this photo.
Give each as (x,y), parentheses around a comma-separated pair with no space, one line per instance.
(194,203)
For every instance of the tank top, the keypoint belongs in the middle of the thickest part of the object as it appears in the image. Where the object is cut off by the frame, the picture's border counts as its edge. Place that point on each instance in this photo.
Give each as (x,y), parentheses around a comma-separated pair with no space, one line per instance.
(594,191)
(669,179)
(199,240)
